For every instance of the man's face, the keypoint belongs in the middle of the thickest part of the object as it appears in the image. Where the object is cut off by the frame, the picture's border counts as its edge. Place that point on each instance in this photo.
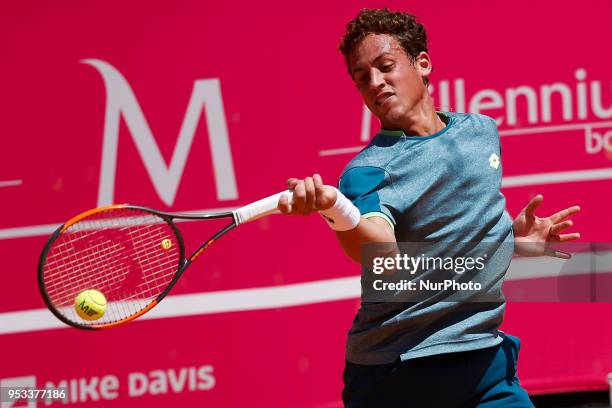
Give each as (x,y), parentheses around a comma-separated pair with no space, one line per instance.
(389,82)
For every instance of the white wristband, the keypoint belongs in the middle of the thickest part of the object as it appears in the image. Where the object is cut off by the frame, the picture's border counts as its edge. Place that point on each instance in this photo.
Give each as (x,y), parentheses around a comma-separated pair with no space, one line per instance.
(343,215)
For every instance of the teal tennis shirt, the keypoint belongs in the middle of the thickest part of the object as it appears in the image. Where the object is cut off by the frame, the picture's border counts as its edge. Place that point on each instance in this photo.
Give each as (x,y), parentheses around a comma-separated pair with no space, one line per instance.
(443,188)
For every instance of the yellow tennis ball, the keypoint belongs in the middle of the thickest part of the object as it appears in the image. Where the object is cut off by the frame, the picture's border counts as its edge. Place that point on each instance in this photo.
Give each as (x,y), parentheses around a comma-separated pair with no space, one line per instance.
(90,304)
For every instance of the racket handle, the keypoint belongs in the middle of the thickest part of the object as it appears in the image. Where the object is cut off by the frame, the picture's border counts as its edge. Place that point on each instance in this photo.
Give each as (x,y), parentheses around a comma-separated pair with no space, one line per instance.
(261,208)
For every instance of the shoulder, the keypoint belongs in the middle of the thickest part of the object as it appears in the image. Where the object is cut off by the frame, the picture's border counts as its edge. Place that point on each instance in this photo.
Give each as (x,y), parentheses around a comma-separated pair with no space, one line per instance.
(367,171)
(364,172)
(377,154)
(371,155)
(362,179)
(471,119)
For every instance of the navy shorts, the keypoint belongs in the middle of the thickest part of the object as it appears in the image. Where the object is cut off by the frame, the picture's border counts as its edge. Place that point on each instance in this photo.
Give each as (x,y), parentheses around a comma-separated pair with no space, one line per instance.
(483,378)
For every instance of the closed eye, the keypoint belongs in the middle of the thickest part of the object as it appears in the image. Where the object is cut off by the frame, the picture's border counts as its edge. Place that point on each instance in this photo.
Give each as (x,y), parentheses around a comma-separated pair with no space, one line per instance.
(386,67)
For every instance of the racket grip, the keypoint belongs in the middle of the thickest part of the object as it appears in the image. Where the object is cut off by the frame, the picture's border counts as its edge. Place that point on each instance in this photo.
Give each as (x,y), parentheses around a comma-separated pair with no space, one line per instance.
(261,208)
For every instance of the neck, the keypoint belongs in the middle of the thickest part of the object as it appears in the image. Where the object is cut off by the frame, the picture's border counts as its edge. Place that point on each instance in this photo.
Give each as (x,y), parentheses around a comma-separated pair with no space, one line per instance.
(422,120)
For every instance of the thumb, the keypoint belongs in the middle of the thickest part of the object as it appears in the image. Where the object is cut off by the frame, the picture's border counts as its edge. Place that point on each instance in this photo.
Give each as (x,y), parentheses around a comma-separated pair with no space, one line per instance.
(284,205)
(325,195)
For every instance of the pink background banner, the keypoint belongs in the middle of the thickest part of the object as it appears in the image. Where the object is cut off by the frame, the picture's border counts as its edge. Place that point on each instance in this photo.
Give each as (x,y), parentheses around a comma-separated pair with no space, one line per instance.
(202,106)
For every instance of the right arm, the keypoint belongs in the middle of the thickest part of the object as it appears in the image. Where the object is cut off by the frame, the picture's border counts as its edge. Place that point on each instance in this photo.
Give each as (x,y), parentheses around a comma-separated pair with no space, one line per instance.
(369,230)
(311,195)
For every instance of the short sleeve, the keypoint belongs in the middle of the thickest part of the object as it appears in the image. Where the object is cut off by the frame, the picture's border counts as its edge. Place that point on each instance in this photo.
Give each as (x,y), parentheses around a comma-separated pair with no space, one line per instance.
(370,190)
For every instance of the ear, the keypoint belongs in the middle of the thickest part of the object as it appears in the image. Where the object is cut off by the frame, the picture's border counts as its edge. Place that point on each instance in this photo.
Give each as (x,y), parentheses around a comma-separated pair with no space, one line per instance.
(423,64)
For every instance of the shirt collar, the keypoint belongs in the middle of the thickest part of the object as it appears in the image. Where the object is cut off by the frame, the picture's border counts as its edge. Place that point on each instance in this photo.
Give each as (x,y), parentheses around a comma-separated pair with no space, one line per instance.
(445,118)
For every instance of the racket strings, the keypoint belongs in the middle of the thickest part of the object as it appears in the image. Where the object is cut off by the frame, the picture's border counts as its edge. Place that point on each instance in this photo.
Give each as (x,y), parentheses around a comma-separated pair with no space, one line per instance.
(128,254)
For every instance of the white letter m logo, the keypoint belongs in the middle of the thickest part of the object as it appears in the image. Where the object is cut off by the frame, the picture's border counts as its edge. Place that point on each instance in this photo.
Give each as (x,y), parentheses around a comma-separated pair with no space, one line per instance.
(120,101)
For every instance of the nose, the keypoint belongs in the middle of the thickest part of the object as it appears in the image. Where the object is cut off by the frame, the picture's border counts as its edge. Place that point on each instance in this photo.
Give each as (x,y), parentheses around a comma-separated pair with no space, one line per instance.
(377,80)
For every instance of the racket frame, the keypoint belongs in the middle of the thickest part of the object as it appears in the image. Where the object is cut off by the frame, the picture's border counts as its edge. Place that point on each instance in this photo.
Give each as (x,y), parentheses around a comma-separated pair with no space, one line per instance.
(184,262)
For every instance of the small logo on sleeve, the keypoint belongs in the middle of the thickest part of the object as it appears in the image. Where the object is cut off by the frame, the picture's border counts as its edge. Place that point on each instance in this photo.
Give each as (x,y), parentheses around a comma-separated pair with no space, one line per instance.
(494,161)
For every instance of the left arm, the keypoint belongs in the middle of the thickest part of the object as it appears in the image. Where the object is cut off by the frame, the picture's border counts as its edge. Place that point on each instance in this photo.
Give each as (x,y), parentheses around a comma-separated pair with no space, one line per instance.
(533,235)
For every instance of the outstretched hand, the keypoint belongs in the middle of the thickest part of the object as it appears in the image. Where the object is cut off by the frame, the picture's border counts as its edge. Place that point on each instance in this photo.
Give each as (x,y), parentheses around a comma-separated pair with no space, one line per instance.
(309,195)
(534,235)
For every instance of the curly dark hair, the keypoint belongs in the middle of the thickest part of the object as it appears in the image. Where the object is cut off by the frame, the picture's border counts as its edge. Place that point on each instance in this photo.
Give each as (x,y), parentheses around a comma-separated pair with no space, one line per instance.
(404,27)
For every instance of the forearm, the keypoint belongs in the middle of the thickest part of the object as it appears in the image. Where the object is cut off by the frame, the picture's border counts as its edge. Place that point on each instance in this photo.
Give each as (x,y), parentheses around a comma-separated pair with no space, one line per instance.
(369,230)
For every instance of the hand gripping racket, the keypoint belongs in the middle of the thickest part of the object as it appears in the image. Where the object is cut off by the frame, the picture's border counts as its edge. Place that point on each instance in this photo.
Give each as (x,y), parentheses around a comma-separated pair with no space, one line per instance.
(132,255)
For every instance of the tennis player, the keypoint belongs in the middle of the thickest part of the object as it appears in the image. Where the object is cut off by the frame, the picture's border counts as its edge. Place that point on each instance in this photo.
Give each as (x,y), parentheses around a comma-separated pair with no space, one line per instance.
(435,177)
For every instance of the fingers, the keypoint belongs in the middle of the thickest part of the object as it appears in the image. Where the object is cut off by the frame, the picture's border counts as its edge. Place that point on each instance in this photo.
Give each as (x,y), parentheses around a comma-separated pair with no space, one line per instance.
(291,183)
(555,236)
(284,205)
(569,237)
(563,214)
(299,197)
(557,228)
(305,195)
(310,194)
(533,205)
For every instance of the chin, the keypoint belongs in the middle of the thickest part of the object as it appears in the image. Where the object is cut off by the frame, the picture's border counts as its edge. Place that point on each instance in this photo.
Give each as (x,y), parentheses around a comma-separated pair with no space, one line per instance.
(392,119)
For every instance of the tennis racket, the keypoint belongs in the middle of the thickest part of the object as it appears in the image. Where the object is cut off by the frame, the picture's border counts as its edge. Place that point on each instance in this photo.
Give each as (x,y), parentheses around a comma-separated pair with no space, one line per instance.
(133,255)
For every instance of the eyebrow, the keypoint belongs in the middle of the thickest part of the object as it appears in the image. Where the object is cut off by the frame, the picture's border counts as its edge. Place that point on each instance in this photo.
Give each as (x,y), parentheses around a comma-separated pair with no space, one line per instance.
(373,62)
